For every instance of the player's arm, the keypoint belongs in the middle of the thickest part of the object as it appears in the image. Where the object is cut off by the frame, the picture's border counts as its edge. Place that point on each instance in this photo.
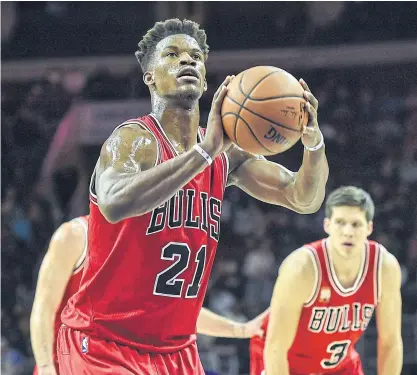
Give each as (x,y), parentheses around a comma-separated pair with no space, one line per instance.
(65,249)
(127,181)
(212,324)
(390,343)
(292,289)
(301,191)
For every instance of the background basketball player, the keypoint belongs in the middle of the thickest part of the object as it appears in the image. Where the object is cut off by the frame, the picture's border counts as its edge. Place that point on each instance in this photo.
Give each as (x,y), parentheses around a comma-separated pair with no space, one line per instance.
(59,278)
(315,329)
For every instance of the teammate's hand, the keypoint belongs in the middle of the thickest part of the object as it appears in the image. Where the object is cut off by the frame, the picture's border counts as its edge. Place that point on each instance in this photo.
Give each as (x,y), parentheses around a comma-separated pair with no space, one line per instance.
(253,327)
(47,370)
(216,140)
(311,133)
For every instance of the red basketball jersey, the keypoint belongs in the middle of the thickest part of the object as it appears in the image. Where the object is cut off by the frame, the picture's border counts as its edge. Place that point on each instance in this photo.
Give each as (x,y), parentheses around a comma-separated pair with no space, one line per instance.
(256,350)
(145,277)
(334,318)
(75,279)
(72,286)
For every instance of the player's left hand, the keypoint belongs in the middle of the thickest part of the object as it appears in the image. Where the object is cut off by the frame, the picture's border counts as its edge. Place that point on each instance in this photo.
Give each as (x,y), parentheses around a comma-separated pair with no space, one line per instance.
(253,327)
(311,133)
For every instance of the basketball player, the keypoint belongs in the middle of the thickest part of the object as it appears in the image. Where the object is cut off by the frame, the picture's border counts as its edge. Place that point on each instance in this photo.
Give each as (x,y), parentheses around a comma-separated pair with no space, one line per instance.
(59,278)
(156,197)
(313,330)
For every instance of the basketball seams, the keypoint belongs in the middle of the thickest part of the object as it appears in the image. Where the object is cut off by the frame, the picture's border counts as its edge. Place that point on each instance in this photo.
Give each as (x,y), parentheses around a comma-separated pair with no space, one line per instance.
(247,96)
(260,116)
(250,129)
(276,97)
(276,111)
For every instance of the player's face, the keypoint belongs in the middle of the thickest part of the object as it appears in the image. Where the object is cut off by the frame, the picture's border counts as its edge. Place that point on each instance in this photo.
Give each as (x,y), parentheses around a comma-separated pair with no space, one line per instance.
(178,68)
(348,230)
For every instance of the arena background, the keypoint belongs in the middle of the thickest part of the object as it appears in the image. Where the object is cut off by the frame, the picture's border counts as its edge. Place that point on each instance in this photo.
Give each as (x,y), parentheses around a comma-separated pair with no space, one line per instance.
(69,76)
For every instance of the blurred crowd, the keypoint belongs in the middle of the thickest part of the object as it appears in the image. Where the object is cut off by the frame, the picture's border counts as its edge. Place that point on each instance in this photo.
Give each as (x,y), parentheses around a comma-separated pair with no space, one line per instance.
(116,27)
(370,129)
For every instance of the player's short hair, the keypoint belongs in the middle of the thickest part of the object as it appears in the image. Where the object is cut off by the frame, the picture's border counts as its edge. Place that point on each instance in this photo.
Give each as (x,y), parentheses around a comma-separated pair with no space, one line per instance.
(350,196)
(166,28)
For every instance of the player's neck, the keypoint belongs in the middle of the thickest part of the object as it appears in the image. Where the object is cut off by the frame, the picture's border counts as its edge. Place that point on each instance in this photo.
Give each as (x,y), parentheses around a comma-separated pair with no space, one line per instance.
(345,268)
(179,123)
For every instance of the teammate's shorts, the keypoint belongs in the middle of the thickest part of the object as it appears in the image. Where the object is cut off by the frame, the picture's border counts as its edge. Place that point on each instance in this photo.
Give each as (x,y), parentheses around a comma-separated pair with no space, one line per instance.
(82,354)
(353,368)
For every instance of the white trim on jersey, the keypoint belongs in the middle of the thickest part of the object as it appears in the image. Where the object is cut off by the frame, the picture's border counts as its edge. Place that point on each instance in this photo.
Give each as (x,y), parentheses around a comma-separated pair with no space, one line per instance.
(200,135)
(90,188)
(144,126)
(81,259)
(334,281)
(377,255)
(227,165)
(317,275)
(378,277)
(164,134)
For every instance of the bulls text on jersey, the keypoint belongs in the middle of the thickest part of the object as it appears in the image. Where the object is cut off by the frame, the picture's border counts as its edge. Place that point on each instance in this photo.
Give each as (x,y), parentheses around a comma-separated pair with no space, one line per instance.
(336,318)
(172,213)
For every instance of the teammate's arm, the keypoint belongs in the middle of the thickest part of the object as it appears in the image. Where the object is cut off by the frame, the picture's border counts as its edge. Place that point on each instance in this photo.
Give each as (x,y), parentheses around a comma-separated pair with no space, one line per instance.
(129,184)
(292,289)
(65,249)
(301,191)
(212,324)
(390,343)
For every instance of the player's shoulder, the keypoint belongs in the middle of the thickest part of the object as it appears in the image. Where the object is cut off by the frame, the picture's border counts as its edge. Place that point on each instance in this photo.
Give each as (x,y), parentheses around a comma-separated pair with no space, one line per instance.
(81,220)
(131,140)
(130,130)
(299,265)
(71,234)
(389,263)
(70,230)
(298,275)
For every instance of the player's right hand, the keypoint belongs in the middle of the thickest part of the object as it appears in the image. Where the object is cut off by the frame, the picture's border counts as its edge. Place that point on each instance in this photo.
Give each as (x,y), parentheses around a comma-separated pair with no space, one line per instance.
(47,370)
(216,140)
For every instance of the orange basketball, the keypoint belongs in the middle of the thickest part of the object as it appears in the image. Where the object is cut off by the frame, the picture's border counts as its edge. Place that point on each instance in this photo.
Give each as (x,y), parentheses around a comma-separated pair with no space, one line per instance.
(264,111)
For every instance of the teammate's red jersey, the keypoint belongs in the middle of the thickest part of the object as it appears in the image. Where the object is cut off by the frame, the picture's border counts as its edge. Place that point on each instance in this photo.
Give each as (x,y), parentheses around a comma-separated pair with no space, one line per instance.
(72,286)
(145,277)
(334,318)
(256,350)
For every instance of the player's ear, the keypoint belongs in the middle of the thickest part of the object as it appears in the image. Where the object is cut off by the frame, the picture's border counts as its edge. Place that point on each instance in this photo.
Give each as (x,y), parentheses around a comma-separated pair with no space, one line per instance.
(205,85)
(326,224)
(148,78)
(370,227)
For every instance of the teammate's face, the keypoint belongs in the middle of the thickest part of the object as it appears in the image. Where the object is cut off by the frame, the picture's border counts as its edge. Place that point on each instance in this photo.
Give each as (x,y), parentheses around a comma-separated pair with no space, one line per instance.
(348,230)
(178,70)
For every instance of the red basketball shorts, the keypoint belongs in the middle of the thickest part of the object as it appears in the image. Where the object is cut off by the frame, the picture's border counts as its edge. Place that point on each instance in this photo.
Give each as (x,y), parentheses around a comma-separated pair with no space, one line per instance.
(353,368)
(81,354)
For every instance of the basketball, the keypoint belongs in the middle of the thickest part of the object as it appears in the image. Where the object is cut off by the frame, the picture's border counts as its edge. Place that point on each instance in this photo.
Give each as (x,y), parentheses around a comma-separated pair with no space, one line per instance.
(264,111)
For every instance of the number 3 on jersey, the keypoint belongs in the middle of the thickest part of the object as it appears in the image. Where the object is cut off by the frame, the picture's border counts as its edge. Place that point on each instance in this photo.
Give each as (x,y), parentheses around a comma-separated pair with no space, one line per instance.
(338,351)
(167,282)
